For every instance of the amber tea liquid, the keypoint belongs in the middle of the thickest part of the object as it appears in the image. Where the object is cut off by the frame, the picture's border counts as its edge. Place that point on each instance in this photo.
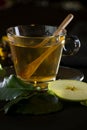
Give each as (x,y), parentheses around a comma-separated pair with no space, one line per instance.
(24,55)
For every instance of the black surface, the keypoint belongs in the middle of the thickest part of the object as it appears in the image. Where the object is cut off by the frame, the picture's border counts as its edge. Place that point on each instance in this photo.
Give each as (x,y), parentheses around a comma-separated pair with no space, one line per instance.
(74,115)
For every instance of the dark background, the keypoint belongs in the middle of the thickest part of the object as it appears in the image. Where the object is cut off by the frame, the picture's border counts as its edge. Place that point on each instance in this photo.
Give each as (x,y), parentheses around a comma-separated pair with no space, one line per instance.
(51,12)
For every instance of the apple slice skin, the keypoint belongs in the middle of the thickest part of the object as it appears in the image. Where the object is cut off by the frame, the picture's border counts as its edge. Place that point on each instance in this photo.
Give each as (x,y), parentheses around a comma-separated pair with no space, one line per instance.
(71,90)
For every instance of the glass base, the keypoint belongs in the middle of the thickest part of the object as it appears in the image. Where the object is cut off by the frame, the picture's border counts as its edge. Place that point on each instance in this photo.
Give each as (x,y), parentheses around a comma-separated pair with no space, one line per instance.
(64,73)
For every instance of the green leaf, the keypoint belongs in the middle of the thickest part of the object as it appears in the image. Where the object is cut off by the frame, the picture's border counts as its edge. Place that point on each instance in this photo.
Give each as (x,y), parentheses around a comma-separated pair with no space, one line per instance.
(12,87)
(13,82)
(16,100)
(36,104)
(24,98)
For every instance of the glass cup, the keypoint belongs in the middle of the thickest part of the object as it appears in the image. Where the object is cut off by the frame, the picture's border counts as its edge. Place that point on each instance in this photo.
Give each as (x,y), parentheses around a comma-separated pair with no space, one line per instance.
(36,53)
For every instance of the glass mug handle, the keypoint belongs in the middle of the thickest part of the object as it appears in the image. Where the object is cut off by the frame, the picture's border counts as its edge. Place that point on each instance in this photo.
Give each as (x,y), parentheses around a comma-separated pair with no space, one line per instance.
(72,45)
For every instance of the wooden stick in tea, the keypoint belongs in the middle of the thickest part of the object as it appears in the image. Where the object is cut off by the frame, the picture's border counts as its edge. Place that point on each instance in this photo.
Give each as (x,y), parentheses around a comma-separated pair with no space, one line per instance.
(32,67)
(63,25)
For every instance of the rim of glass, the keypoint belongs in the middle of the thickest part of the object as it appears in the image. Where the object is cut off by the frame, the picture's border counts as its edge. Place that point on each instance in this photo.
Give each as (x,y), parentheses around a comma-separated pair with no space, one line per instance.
(9,32)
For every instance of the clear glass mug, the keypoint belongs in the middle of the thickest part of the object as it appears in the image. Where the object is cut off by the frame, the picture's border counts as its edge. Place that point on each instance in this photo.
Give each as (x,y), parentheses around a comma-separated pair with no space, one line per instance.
(36,53)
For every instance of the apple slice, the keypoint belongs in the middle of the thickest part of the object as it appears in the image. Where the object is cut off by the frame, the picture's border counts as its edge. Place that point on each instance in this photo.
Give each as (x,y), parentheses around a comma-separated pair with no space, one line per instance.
(69,89)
